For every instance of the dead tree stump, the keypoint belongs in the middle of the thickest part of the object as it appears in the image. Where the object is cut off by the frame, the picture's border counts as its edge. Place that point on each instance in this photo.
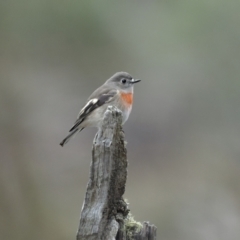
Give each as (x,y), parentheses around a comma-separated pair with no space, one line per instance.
(105,215)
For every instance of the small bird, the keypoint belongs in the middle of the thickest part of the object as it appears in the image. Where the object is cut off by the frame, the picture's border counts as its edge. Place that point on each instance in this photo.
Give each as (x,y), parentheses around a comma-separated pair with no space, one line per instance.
(116,91)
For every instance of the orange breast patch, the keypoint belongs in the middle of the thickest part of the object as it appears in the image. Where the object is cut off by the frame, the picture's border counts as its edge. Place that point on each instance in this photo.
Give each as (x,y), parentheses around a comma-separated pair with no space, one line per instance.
(127,98)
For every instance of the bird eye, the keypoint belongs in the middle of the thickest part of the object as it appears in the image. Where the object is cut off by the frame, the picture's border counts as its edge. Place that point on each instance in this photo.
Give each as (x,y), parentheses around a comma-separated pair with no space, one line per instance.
(124,81)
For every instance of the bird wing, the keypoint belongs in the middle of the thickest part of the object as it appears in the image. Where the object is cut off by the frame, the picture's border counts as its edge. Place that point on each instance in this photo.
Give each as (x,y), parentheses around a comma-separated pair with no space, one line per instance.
(97,99)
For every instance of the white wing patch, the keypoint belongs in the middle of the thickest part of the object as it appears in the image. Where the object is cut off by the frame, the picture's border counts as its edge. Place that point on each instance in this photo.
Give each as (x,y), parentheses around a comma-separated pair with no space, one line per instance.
(94,100)
(91,105)
(90,102)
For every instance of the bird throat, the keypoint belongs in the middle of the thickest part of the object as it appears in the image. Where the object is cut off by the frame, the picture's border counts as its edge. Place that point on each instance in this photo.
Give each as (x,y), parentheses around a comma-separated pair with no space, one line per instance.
(127,98)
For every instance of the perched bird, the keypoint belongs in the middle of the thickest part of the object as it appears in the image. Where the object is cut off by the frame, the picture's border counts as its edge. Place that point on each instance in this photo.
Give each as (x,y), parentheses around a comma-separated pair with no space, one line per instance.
(116,91)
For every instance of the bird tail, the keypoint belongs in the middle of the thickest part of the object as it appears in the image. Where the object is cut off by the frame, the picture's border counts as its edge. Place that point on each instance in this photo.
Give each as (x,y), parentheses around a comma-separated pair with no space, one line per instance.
(70,135)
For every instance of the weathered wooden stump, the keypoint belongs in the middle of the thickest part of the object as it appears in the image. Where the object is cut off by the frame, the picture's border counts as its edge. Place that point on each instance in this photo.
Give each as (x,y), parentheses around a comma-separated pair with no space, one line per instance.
(105,215)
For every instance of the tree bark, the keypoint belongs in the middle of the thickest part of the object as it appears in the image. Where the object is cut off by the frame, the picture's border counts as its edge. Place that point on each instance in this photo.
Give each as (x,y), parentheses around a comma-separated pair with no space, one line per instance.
(105,215)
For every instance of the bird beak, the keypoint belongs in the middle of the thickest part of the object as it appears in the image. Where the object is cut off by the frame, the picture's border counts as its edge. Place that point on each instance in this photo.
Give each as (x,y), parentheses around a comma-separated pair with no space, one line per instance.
(135,81)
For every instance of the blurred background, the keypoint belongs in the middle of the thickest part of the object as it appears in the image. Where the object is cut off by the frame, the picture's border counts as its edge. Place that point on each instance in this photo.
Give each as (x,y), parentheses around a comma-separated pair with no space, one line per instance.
(183,134)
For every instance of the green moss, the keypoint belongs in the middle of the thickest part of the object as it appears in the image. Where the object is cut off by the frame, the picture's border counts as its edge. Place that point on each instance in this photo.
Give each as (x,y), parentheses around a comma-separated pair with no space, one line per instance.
(131,227)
